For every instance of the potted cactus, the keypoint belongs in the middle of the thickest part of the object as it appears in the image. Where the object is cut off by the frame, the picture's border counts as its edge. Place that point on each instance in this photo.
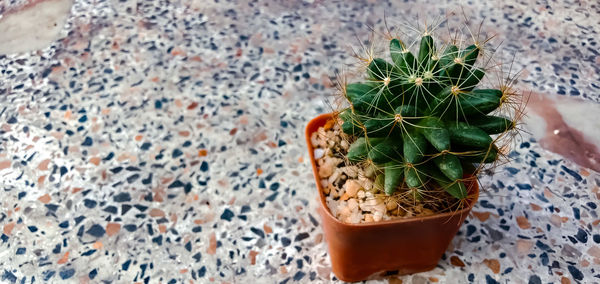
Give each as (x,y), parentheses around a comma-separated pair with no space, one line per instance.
(396,166)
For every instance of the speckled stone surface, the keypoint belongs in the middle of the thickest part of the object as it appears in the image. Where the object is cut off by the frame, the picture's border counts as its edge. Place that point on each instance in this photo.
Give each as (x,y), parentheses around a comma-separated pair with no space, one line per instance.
(162,142)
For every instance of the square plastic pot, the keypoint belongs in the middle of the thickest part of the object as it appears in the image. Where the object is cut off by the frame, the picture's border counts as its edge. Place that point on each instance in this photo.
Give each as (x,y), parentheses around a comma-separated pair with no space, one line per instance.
(411,245)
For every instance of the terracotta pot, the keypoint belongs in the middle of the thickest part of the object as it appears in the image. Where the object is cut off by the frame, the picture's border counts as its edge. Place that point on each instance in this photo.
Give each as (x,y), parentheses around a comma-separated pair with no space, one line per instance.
(407,246)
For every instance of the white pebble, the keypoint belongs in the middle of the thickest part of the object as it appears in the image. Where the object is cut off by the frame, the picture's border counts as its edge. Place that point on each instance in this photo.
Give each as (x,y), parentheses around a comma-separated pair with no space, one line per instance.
(380,208)
(352,204)
(334,176)
(345,211)
(319,153)
(371,202)
(355,217)
(377,216)
(333,206)
(360,194)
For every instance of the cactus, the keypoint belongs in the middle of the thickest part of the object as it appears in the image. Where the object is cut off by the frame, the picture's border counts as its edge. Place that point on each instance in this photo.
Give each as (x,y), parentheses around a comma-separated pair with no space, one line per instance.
(422,120)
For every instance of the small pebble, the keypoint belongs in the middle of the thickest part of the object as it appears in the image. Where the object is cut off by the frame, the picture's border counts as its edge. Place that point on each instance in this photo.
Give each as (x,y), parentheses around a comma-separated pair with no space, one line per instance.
(319,153)
(377,216)
(352,187)
(352,204)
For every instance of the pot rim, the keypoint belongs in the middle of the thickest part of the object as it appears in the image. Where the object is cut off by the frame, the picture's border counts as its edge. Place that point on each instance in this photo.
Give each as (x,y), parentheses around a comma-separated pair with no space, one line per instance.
(474,188)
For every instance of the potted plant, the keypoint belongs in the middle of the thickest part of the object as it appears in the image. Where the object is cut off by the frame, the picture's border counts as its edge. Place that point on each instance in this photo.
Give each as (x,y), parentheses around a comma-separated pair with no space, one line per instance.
(396,167)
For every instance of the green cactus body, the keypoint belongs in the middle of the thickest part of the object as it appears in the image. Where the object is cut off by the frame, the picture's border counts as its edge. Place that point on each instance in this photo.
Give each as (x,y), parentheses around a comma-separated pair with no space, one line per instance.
(435,132)
(449,165)
(359,150)
(352,126)
(450,53)
(479,101)
(471,79)
(380,126)
(469,55)
(415,146)
(394,174)
(492,124)
(385,151)
(479,156)
(414,178)
(456,189)
(426,50)
(423,119)
(403,59)
(467,135)
(364,97)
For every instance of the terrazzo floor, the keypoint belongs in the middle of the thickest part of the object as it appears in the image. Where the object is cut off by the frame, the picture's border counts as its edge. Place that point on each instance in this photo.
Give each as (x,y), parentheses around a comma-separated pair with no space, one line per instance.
(162,142)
